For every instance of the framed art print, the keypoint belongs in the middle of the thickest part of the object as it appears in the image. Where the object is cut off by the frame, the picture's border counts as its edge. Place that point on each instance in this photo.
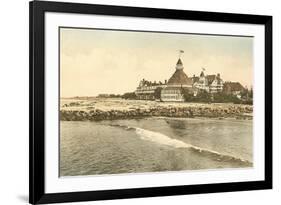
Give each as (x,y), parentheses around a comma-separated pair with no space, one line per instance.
(139,102)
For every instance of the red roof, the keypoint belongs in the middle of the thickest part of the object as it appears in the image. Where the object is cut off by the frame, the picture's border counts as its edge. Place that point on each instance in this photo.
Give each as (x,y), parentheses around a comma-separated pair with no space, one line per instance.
(179,78)
(233,86)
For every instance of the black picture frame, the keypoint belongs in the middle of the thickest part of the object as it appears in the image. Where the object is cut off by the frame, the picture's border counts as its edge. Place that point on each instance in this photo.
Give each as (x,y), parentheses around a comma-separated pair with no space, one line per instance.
(37,9)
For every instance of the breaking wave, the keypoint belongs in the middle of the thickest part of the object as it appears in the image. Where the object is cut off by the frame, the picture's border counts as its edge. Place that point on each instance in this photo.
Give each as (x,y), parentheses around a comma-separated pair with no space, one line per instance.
(162,139)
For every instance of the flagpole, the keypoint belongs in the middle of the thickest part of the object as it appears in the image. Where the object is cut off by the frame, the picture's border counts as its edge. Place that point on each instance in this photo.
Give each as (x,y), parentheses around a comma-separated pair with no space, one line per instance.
(180,52)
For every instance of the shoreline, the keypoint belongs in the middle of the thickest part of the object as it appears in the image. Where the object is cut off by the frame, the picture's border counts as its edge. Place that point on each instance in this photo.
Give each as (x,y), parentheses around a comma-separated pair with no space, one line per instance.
(125,109)
(79,116)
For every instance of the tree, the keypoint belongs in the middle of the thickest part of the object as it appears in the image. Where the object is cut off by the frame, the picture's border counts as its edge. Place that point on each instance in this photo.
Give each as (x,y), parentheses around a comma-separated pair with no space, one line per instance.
(157,93)
(251,93)
(225,98)
(202,96)
(129,96)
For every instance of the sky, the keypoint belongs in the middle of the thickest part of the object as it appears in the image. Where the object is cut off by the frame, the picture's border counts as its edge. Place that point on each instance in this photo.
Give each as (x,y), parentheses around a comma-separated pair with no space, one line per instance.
(95,62)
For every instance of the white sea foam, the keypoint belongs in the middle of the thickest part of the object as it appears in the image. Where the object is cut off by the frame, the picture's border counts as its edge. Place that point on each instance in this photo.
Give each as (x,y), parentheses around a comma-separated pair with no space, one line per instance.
(160,138)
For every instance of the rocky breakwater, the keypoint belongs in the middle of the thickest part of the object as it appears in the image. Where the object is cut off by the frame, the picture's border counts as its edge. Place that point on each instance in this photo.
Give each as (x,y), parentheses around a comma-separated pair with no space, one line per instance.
(208,110)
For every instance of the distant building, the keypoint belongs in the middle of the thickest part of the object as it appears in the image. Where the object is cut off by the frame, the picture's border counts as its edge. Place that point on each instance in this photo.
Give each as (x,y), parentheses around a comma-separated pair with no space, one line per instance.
(173,89)
(176,84)
(147,90)
(233,88)
(208,83)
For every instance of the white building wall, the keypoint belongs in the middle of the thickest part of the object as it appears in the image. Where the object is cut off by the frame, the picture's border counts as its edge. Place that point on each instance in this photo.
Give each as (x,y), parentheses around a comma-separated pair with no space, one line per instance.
(172,95)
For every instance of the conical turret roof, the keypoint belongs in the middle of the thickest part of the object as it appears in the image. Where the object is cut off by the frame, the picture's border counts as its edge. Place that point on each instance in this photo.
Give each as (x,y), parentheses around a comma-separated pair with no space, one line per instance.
(179,62)
(179,77)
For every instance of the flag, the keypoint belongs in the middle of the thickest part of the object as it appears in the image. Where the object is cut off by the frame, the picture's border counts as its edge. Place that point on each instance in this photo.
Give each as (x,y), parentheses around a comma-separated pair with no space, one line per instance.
(203,69)
(181,51)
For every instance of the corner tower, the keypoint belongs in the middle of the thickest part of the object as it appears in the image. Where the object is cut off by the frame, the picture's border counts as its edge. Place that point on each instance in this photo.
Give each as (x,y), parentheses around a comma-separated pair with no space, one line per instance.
(177,84)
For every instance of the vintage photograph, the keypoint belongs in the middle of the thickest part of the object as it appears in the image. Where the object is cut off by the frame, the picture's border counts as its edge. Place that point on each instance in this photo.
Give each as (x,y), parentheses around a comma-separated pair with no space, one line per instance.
(146,101)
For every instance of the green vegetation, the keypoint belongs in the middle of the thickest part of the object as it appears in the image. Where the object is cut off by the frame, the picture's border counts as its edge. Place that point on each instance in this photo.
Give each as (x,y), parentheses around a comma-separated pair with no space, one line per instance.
(221,97)
(109,96)
(114,96)
(129,96)
(205,97)
(202,97)
(157,93)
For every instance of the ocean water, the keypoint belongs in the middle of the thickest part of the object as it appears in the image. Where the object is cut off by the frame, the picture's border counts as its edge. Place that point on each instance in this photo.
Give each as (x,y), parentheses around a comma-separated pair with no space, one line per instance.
(154,145)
